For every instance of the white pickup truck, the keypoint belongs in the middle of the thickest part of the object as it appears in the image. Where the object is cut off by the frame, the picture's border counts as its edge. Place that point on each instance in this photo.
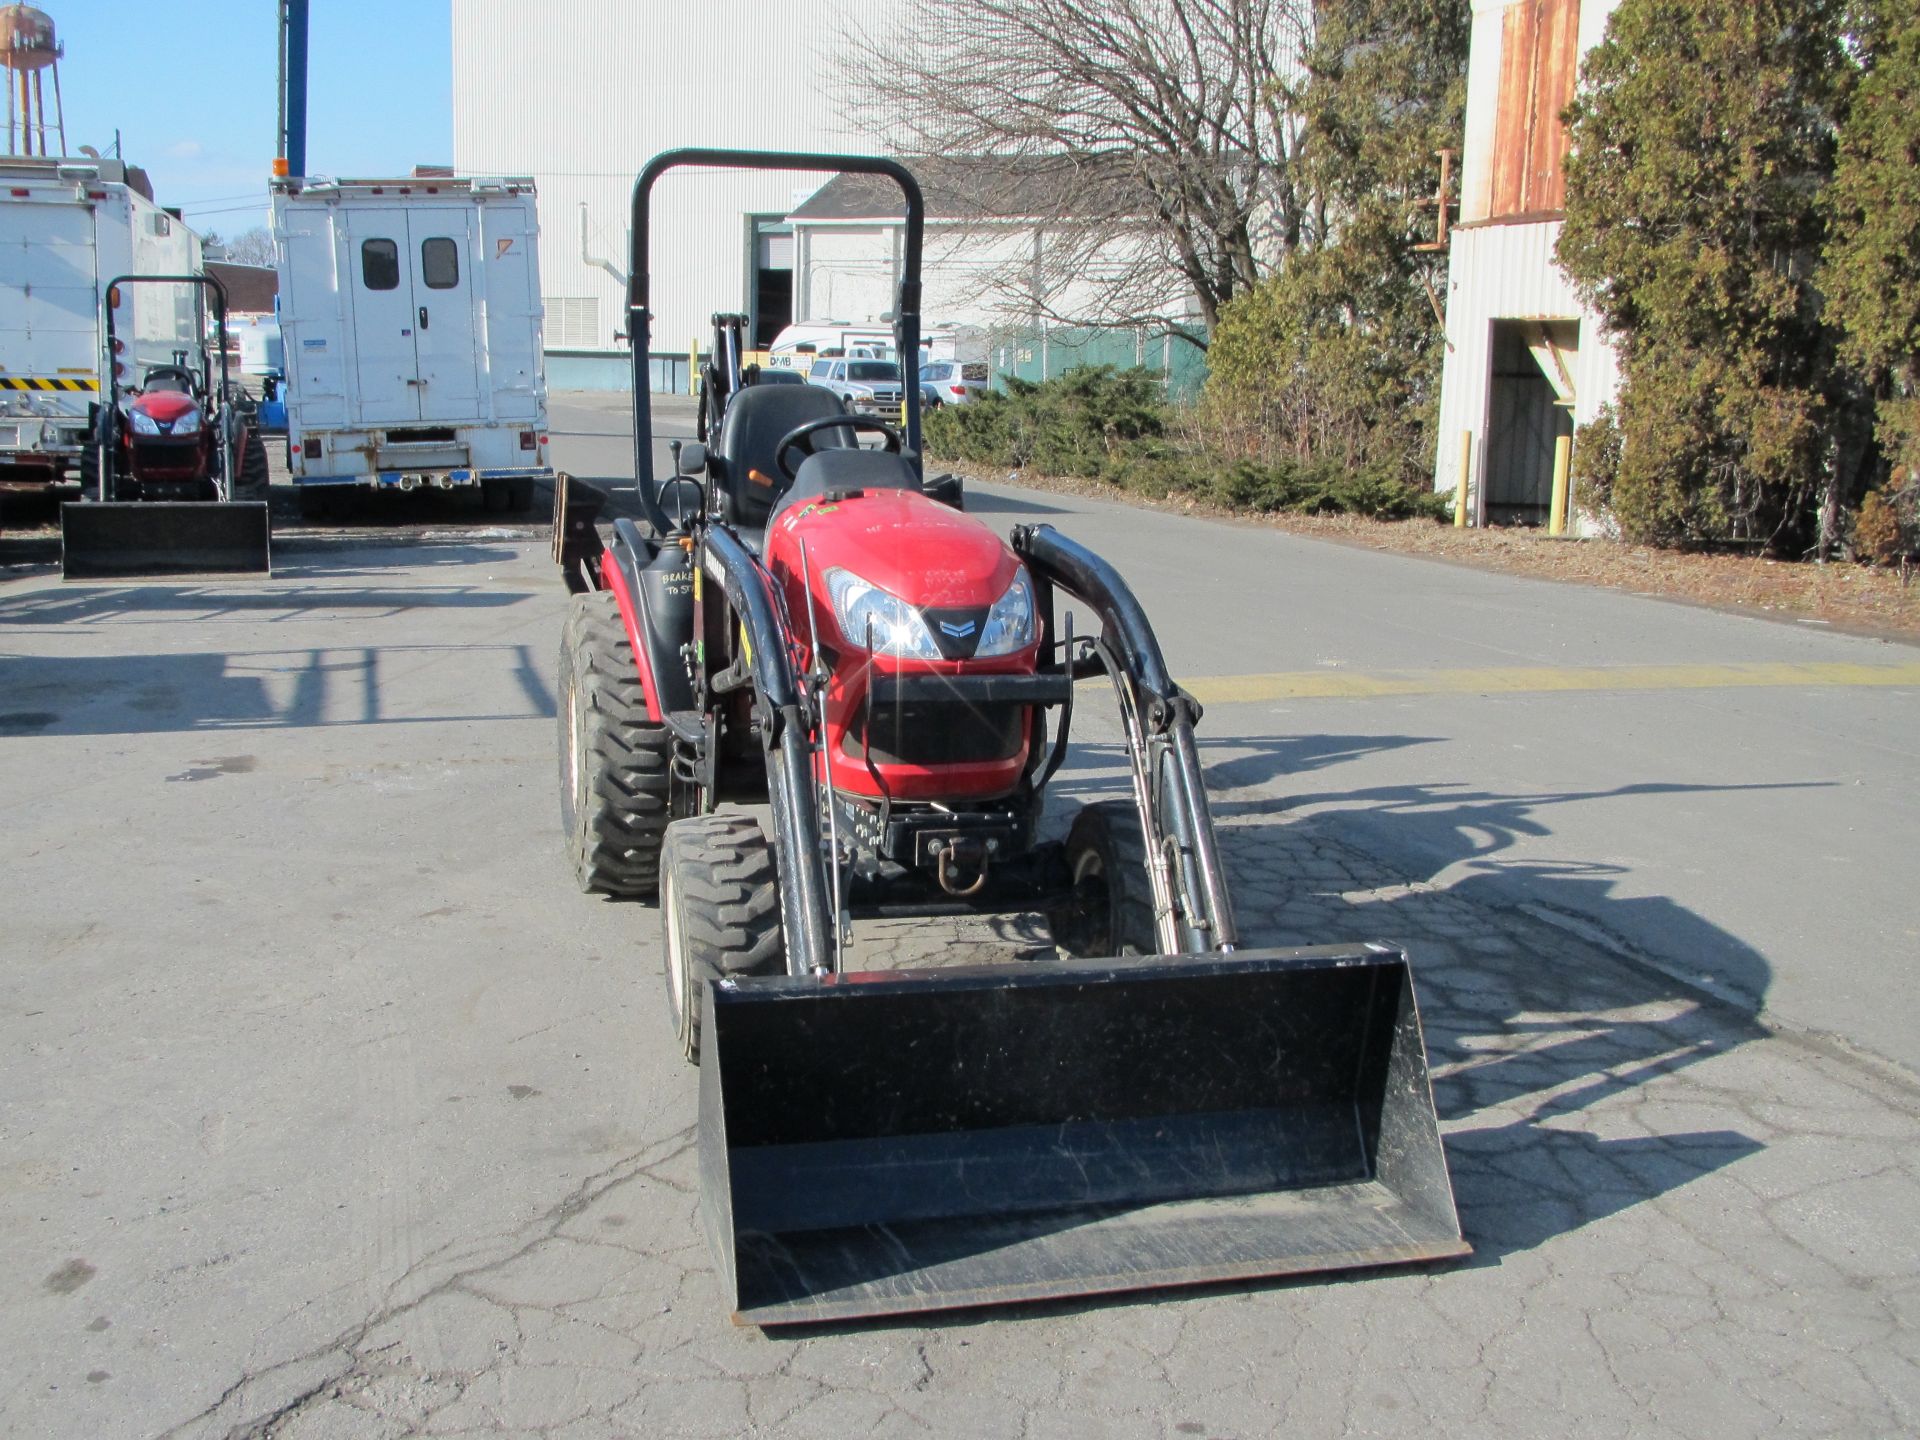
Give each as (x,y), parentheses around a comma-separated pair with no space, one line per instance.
(410,314)
(67,228)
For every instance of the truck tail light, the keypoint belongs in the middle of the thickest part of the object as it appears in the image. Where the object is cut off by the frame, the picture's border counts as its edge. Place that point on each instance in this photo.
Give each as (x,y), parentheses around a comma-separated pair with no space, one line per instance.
(311,447)
(526,439)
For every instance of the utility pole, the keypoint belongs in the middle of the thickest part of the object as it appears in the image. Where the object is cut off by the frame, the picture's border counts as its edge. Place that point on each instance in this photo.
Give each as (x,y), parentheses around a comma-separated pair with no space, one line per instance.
(293,86)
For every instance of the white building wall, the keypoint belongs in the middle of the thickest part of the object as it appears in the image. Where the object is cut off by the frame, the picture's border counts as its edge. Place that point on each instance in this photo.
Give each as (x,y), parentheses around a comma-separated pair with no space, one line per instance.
(971,273)
(1499,271)
(580,94)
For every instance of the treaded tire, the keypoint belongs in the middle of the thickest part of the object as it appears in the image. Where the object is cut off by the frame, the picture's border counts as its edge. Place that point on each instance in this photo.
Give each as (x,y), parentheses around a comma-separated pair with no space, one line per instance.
(720,900)
(1111,912)
(255,477)
(613,760)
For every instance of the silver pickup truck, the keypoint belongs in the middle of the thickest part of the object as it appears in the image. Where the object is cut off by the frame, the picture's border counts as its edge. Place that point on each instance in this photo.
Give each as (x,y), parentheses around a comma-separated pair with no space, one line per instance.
(870,387)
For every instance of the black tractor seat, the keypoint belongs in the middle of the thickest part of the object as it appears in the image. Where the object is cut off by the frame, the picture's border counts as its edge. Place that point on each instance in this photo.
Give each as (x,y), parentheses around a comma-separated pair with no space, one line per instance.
(757,419)
(844,470)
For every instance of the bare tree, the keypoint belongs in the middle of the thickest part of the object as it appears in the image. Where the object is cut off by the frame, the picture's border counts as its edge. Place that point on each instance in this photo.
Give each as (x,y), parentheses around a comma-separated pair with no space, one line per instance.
(1160,129)
(251,247)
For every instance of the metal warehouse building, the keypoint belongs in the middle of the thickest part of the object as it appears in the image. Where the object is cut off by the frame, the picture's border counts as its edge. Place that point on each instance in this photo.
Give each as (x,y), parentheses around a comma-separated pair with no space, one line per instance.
(1526,362)
(580,94)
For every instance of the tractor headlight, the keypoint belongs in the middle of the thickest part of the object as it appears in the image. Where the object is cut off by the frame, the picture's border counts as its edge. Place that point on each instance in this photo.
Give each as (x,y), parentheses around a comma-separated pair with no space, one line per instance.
(143,423)
(861,608)
(1009,624)
(187,424)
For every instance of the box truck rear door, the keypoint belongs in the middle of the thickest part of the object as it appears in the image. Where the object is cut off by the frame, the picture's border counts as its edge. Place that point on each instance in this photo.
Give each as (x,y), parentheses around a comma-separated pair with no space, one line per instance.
(380,280)
(443,300)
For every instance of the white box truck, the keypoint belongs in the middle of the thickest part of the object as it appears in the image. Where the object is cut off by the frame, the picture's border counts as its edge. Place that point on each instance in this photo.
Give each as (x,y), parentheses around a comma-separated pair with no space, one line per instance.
(67,228)
(410,317)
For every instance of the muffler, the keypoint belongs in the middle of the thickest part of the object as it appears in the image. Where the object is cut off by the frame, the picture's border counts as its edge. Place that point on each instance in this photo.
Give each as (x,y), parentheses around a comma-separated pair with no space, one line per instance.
(121,539)
(878,1144)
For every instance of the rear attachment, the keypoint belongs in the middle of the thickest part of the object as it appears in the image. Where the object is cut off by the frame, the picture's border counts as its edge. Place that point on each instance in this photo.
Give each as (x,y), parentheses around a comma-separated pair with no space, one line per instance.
(885,1143)
(125,539)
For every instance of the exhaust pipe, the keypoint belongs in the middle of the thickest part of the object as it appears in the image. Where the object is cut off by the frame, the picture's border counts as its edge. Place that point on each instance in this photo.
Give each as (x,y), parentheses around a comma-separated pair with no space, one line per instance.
(409,484)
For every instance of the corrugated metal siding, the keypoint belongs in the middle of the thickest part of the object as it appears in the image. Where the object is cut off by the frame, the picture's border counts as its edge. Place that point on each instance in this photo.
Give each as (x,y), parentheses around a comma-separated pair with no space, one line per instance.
(580,95)
(1507,272)
(1486,59)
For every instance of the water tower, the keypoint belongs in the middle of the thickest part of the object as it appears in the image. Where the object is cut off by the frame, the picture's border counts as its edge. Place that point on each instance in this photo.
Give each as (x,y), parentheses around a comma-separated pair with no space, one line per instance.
(28,49)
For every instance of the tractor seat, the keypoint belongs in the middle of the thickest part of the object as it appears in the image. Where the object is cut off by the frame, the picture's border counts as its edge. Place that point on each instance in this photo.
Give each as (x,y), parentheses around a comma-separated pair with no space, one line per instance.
(757,419)
(844,470)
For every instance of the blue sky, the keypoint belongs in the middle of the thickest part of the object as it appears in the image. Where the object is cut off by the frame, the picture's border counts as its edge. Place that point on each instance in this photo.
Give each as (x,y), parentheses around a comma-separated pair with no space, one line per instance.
(191,86)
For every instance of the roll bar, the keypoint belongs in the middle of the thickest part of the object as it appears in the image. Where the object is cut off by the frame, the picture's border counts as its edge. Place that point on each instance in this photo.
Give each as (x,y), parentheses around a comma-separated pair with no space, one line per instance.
(197,278)
(906,312)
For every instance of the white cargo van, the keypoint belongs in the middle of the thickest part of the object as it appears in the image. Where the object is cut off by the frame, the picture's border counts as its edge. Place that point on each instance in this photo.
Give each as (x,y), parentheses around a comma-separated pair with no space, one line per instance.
(67,227)
(410,316)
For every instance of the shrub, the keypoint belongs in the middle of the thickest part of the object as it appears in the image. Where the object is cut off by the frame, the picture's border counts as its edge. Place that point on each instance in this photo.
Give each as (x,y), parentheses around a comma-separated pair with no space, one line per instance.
(1596,463)
(1080,423)
(1112,425)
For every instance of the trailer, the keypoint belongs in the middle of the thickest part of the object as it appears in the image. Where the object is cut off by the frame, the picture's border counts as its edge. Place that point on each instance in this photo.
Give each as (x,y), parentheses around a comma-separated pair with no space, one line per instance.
(410,317)
(67,227)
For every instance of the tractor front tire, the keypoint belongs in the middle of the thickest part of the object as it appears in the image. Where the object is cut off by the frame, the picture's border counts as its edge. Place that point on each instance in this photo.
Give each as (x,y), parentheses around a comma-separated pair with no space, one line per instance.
(1110,911)
(613,759)
(720,898)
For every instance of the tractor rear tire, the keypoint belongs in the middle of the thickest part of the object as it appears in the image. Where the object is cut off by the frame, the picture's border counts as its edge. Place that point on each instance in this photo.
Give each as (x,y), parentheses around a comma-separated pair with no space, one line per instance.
(613,759)
(1111,909)
(720,899)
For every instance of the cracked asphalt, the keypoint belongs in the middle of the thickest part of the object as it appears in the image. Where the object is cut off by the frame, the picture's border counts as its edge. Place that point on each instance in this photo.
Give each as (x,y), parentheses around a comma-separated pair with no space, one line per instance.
(328,1107)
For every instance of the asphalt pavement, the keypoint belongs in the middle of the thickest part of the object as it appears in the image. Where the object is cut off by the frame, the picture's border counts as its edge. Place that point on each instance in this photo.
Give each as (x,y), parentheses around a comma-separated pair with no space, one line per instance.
(329,1107)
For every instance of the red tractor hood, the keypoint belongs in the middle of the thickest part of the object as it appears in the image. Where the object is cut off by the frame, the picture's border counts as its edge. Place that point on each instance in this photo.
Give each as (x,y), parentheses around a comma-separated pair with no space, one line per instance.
(929,554)
(166,406)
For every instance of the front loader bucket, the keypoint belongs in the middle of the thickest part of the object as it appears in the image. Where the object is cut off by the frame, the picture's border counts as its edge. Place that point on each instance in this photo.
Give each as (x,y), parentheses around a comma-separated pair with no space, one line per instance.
(163,537)
(903,1141)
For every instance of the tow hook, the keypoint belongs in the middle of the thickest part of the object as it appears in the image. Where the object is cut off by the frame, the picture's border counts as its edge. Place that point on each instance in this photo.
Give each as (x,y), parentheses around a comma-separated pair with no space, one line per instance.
(946,870)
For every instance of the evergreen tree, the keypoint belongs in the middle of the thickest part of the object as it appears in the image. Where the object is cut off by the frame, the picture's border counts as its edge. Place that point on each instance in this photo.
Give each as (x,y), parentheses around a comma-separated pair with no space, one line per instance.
(1871,278)
(1337,357)
(1701,139)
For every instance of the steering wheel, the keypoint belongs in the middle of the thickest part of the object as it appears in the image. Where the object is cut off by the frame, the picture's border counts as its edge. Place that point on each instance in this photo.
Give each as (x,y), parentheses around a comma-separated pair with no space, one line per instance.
(801,437)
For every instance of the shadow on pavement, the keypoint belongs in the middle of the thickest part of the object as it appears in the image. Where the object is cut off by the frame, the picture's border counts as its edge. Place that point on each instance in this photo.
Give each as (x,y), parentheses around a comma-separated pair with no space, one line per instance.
(259,690)
(1544,1033)
(78,604)
(981,502)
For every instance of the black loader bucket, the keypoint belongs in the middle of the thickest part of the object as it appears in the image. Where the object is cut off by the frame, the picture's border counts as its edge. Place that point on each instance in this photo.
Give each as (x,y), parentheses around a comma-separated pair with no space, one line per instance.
(163,537)
(902,1141)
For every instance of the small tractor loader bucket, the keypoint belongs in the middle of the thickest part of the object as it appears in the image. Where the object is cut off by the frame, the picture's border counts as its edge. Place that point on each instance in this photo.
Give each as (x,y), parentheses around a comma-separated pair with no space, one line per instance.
(125,539)
(875,1144)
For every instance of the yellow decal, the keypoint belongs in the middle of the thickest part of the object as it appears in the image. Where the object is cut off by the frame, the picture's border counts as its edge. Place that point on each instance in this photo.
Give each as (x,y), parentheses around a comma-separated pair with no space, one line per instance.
(29,382)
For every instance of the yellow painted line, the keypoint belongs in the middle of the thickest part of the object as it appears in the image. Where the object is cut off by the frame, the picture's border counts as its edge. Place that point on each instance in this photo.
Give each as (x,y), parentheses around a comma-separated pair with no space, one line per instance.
(1540,680)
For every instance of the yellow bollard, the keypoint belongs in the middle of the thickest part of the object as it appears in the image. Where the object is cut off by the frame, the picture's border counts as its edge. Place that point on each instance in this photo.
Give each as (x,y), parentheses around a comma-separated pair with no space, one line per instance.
(1562,471)
(1460,486)
(693,368)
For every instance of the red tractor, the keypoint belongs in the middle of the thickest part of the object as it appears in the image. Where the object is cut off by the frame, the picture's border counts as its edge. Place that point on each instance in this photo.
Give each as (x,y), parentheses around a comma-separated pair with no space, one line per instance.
(174,452)
(802,625)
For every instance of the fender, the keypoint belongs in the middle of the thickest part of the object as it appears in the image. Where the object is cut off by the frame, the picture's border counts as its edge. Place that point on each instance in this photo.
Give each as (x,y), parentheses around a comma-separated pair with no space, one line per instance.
(647,587)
